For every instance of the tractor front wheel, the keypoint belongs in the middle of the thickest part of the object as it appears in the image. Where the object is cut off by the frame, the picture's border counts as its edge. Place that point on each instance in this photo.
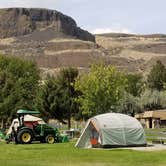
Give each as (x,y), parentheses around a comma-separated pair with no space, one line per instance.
(50,139)
(24,136)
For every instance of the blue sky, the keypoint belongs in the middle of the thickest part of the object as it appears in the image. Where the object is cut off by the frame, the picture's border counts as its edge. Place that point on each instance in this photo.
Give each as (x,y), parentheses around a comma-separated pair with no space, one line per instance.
(127,16)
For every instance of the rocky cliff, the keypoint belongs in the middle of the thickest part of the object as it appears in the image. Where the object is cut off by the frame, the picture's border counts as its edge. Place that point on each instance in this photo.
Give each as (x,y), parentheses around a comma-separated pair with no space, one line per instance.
(50,38)
(53,41)
(22,21)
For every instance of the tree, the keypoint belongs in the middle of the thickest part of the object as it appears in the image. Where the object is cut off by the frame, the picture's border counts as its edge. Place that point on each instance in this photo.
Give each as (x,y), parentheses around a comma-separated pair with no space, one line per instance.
(101,90)
(157,76)
(56,96)
(129,104)
(47,99)
(152,100)
(67,78)
(135,84)
(18,85)
(163,99)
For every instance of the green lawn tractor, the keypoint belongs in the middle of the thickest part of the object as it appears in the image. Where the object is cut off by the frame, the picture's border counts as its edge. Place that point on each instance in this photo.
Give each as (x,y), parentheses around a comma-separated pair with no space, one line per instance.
(24,130)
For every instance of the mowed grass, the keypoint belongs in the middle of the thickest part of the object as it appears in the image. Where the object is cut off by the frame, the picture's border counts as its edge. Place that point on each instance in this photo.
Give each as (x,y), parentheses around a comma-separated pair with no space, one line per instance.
(65,154)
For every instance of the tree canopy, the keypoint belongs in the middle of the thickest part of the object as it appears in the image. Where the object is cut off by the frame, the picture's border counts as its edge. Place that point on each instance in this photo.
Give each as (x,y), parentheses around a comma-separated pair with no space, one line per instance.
(18,85)
(153,99)
(55,98)
(135,84)
(101,90)
(129,104)
(157,76)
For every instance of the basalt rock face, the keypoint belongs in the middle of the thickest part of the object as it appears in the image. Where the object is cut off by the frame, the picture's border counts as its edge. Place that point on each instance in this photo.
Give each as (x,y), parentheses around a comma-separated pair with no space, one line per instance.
(16,22)
(54,41)
(47,37)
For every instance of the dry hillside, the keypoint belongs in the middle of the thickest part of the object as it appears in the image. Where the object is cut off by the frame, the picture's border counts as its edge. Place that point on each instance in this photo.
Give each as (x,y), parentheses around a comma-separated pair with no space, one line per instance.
(54,40)
(134,52)
(48,37)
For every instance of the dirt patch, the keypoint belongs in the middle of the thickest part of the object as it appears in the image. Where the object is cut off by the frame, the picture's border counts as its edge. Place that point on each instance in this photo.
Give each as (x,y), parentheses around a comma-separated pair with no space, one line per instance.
(149,147)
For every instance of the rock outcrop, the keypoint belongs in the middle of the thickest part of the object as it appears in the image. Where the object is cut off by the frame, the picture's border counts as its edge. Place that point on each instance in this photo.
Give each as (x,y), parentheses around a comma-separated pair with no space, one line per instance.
(54,41)
(16,22)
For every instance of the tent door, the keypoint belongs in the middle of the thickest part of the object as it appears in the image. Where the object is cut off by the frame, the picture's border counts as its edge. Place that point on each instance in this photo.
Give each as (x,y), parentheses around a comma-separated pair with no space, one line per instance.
(94,136)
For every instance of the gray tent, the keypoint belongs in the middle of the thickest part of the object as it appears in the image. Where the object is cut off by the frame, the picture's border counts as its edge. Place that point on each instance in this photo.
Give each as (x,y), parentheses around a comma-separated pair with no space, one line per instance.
(112,129)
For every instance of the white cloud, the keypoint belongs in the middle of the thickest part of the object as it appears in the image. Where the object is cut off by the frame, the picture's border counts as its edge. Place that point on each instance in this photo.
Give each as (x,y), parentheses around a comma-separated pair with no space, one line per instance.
(113,29)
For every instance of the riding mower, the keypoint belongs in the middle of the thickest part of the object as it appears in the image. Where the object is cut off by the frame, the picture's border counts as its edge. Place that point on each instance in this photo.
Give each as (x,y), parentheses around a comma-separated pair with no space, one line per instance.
(25,131)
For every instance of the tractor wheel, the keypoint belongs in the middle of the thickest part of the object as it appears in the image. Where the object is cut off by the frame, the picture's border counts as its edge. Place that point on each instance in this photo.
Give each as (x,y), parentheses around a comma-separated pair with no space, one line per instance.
(24,136)
(50,139)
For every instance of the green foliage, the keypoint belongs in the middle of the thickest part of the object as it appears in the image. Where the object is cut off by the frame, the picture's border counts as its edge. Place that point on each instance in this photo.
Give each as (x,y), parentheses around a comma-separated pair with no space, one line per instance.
(151,100)
(101,90)
(67,78)
(157,76)
(46,99)
(135,84)
(18,85)
(129,104)
(163,99)
(55,98)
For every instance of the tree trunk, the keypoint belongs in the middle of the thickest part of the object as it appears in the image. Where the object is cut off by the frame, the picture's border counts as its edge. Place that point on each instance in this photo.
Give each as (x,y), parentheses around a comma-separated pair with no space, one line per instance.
(69,123)
(2,124)
(69,115)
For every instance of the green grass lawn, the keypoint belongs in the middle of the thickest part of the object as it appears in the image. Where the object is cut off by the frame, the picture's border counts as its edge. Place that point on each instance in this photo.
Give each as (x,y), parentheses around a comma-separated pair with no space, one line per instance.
(65,154)
(155,134)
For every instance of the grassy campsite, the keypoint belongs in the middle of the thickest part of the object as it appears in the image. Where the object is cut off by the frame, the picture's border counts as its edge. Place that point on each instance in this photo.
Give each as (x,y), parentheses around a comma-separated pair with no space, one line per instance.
(59,98)
(66,154)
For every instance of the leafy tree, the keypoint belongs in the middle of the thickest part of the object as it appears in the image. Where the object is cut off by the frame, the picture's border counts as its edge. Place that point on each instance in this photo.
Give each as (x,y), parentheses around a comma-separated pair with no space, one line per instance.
(67,78)
(135,84)
(129,104)
(163,99)
(157,76)
(18,85)
(101,90)
(56,96)
(152,100)
(47,99)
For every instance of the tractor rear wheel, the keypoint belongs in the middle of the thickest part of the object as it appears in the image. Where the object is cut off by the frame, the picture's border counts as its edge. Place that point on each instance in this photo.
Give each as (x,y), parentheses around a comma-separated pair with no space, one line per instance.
(50,139)
(24,136)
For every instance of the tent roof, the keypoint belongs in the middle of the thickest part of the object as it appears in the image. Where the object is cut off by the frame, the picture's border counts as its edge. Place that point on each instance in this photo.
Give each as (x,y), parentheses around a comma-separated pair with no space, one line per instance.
(115,120)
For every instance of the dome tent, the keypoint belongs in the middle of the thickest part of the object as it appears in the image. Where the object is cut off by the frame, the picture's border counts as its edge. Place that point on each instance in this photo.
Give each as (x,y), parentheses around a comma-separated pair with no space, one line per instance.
(112,129)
